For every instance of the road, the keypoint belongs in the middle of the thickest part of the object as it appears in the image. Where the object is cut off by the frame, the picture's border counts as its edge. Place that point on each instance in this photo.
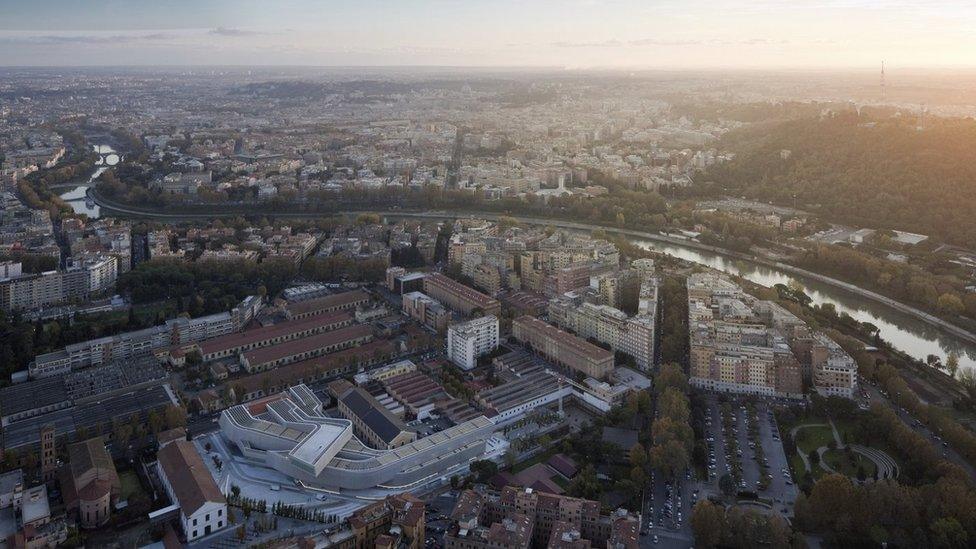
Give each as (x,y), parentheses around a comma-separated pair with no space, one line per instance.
(957,331)
(873,394)
(667,501)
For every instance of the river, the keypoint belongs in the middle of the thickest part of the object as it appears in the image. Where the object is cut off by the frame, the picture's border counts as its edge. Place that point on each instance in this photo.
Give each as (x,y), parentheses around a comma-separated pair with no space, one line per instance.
(77,198)
(904,331)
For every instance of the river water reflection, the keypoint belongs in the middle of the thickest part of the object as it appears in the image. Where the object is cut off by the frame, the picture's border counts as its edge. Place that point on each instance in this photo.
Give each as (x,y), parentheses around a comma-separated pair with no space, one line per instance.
(904,331)
(77,197)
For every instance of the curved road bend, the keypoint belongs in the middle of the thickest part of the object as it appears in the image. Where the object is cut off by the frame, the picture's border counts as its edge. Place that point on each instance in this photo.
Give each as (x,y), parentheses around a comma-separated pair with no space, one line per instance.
(932,320)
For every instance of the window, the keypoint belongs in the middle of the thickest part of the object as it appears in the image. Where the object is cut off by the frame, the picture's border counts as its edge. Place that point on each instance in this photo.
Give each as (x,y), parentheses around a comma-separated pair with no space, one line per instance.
(207,518)
(194,534)
(220,524)
(194,523)
(220,512)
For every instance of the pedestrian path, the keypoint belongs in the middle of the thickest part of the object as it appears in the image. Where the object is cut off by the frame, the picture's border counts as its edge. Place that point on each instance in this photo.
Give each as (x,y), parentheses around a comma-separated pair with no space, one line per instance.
(803,457)
(884,464)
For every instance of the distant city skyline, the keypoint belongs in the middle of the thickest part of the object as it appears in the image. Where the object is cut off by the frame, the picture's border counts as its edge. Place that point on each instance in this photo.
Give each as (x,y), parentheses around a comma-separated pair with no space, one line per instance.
(568,33)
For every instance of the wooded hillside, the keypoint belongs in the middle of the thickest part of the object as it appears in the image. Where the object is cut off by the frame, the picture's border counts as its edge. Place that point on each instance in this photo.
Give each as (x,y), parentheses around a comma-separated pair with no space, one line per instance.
(869,173)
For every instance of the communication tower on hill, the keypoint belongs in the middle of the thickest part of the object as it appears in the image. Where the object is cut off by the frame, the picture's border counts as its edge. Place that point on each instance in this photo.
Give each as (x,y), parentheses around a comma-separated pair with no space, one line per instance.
(884,91)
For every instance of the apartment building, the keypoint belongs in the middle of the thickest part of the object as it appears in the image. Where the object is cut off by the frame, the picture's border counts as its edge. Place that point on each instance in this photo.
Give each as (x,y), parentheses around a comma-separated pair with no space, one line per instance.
(467,341)
(141,343)
(523,517)
(458,297)
(427,311)
(634,336)
(25,292)
(563,348)
(744,345)
(835,375)
(487,278)
(613,287)
(395,522)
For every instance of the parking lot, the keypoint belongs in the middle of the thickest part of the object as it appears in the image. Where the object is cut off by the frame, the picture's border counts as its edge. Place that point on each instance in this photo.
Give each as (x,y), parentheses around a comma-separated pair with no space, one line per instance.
(744,443)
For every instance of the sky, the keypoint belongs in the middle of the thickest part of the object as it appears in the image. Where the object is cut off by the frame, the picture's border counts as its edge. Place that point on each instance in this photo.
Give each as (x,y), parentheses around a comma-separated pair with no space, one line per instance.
(574,34)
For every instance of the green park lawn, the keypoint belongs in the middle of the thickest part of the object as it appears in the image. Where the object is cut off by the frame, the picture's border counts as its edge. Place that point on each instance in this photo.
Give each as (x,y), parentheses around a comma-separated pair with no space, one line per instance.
(813,437)
(130,484)
(848,463)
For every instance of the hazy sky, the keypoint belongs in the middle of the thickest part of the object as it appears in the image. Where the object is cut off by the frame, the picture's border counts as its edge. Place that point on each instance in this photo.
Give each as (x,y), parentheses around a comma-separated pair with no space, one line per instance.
(569,33)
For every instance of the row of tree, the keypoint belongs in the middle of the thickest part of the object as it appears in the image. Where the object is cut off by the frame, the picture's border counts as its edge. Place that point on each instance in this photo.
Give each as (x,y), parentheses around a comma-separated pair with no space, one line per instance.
(206,287)
(672,437)
(936,419)
(941,514)
(943,294)
(714,525)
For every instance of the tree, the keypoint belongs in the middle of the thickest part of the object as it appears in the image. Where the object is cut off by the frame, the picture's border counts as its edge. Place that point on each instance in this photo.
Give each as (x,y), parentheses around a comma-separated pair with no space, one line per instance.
(967,378)
(948,533)
(545,441)
(779,531)
(666,429)
(368,219)
(638,477)
(175,416)
(671,375)
(726,484)
(586,485)
(707,523)
(121,433)
(638,456)
(670,457)
(674,404)
(831,500)
(952,363)
(951,303)
(484,469)
(507,222)
(510,456)
(155,422)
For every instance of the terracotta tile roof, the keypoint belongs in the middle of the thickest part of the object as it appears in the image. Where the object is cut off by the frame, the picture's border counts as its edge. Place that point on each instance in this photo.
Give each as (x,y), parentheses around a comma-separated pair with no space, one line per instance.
(192,483)
(461,290)
(282,329)
(345,299)
(563,465)
(306,344)
(171,435)
(95,489)
(564,339)
(305,368)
